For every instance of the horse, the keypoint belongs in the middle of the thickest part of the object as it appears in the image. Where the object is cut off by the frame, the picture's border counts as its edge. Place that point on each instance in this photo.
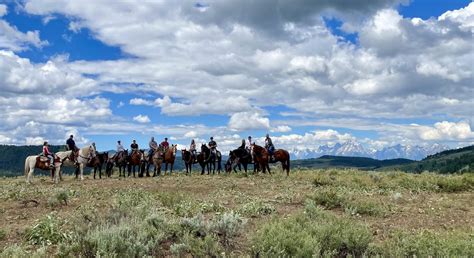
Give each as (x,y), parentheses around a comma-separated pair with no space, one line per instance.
(207,158)
(282,156)
(32,162)
(144,164)
(170,156)
(157,160)
(82,160)
(97,161)
(134,161)
(261,158)
(121,160)
(236,158)
(188,160)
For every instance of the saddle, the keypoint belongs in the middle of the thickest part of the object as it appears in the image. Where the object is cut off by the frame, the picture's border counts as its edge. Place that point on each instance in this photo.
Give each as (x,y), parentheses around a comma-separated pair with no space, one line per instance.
(74,155)
(42,162)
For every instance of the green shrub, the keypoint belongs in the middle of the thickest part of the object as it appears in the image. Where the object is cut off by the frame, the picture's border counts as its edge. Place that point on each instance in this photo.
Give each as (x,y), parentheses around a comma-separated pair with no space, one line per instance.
(329,198)
(428,244)
(364,207)
(207,246)
(227,226)
(256,208)
(313,233)
(18,251)
(451,184)
(3,234)
(47,231)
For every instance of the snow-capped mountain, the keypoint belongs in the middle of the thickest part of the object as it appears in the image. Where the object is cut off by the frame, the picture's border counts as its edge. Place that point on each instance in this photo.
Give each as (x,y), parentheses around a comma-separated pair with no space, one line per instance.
(355,149)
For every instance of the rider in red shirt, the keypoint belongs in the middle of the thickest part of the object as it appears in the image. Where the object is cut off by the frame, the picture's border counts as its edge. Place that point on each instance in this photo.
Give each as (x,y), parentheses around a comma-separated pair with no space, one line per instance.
(48,154)
(165,144)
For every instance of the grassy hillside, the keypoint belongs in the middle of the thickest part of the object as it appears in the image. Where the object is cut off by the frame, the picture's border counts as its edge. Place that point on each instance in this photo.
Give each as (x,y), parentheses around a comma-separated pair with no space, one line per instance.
(450,161)
(310,213)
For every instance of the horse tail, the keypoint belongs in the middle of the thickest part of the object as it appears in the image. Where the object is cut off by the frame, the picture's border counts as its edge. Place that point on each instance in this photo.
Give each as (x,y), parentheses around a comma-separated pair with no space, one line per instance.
(288,165)
(27,167)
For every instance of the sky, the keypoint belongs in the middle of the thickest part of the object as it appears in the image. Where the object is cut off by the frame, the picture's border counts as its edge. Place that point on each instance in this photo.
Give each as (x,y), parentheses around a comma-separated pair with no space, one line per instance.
(309,73)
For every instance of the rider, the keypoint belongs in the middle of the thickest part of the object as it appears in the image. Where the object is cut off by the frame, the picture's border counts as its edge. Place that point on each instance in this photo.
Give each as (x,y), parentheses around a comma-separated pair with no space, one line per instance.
(242,146)
(165,144)
(249,146)
(153,146)
(120,149)
(71,145)
(48,154)
(213,146)
(92,151)
(192,149)
(134,146)
(269,146)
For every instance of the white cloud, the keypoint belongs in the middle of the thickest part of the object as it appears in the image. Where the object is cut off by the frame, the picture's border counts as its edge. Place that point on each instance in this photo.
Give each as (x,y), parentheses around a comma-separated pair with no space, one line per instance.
(139,101)
(3,10)
(13,39)
(442,131)
(238,64)
(281,129)
(248,120)
(142,119)
(191,134)
(464,17)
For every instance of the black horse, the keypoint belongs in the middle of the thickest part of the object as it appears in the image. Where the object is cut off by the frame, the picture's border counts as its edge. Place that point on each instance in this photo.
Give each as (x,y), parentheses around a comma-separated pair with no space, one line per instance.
(98,161)
(209,159)
(119,160)
(238,157)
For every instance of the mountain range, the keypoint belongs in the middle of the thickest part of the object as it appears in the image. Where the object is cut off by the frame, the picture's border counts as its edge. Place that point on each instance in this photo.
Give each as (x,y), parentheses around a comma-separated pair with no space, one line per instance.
(356,149)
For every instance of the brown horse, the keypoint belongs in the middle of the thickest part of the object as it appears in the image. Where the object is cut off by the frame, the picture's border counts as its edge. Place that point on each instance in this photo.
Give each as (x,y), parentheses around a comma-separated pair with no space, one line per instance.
(282,156)
(157,160)
(96,162)
(261,158)
(188,160)
(170,156)
(134,161)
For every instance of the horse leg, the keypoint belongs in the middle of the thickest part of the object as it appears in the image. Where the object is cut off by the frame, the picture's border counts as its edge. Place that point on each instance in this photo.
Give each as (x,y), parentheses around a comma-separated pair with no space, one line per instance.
(95,168)
(30,173)
(81,168)
(171,169)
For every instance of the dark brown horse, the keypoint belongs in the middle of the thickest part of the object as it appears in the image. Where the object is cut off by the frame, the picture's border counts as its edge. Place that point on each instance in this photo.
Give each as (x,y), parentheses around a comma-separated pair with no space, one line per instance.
(238,157)
(170,156)
(134,161)
(261,158)
(282,156)
(188,160)
(120,160)
(97,161)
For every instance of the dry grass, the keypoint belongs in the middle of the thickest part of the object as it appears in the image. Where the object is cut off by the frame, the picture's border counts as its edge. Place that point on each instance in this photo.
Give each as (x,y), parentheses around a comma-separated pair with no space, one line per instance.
(388,203)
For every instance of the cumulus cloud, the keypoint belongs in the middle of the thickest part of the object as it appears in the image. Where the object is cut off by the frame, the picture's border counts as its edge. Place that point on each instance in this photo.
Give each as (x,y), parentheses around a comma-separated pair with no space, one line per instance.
(13,39)
(281,129)
(442,131)
(248,120)
(142,119)
(238,58)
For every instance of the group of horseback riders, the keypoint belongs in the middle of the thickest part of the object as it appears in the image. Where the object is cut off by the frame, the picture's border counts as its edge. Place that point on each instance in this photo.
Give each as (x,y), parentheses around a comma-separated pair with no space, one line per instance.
(153,146)
(248,146)
(70,145)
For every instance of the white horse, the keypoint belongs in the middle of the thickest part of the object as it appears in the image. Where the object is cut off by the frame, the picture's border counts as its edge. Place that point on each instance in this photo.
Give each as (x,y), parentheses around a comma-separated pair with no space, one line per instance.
(82,159)
(31,163)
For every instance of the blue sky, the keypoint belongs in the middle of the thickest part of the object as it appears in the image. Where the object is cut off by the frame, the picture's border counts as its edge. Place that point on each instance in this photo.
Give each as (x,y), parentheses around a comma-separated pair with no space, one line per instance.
(308,74)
